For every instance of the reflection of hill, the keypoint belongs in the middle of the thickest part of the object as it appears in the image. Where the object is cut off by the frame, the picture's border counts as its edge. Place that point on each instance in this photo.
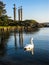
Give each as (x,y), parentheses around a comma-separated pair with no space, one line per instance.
(34,30)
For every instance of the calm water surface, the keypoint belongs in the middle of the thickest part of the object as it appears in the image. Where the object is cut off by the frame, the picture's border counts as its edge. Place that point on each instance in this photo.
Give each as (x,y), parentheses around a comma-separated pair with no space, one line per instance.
(12,48)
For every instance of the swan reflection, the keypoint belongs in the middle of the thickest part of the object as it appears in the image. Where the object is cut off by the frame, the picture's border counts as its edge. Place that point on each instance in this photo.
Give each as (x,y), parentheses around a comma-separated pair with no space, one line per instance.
(32,51)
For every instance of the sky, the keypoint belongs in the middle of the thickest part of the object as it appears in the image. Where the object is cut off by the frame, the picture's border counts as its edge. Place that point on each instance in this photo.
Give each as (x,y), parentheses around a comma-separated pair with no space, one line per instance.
(32,9)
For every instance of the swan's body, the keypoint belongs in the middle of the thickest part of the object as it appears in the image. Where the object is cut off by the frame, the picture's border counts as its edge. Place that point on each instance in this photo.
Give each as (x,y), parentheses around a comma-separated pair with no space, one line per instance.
(29,46)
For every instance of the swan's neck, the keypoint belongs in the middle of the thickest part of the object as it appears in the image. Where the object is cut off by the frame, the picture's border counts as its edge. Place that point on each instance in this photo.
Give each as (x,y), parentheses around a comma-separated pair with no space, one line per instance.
(31,41)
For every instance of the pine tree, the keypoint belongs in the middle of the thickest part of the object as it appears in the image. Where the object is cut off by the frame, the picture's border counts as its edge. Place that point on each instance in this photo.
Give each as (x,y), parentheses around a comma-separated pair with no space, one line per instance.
(2,8)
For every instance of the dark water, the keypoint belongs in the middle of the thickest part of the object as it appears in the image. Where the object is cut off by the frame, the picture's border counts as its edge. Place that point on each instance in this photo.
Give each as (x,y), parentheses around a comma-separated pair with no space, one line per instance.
(12,48)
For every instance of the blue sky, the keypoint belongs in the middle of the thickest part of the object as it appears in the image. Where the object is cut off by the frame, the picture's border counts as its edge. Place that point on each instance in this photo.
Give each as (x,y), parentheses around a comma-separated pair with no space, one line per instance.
(32,9)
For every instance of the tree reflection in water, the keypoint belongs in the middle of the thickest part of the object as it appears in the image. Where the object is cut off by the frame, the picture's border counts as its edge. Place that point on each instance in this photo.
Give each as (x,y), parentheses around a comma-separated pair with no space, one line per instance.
(21,38)
(15,40)
(4,36)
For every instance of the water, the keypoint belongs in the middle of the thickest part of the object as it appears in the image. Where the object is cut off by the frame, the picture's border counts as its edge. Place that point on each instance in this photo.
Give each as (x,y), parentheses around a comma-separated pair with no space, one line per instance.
(12,48)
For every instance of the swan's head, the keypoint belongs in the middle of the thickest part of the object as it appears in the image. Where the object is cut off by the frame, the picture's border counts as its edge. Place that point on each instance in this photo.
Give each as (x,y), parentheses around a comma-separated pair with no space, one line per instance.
(32,38)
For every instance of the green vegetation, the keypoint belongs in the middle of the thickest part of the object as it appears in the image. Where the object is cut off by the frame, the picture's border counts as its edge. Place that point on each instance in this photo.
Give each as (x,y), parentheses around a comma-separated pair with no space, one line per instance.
(31,23)
(2,9)
(3,16)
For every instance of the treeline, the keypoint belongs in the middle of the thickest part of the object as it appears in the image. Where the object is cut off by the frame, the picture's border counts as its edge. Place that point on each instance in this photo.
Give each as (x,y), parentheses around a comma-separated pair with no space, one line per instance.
(31,23)
(4,21)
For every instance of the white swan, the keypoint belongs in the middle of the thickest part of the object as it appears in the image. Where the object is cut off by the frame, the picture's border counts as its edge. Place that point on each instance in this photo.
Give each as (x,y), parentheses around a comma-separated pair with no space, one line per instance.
(30,46)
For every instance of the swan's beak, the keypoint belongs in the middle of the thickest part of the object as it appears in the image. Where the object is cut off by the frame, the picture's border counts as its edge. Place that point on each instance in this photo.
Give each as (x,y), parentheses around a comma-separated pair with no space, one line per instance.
(24,48)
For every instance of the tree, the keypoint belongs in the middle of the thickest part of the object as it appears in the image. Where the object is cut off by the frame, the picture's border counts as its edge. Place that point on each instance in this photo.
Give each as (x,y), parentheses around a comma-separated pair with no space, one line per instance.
(3,16)
(2,8)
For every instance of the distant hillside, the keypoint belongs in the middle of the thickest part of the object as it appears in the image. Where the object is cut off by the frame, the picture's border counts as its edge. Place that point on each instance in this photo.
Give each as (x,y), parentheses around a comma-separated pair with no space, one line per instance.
(46,24)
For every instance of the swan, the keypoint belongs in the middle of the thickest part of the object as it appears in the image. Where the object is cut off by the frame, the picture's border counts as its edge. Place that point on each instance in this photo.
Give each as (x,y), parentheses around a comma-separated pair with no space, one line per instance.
(30,46)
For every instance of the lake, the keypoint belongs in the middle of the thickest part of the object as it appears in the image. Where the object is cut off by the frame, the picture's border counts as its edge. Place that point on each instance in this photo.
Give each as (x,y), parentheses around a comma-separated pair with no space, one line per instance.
(12,47)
